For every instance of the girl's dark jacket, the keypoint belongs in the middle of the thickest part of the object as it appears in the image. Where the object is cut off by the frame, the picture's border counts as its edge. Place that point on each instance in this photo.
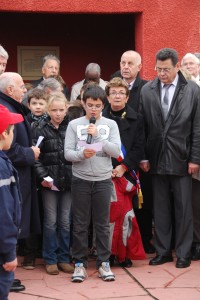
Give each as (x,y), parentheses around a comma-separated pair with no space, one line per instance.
(51,161)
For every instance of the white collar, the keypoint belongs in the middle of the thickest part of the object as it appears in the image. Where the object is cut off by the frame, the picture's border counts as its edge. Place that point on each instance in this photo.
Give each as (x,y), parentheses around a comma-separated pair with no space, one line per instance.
(174,83)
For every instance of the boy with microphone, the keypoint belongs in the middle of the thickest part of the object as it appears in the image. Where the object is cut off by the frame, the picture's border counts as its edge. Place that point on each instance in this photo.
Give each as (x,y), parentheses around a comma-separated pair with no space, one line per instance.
(90,143)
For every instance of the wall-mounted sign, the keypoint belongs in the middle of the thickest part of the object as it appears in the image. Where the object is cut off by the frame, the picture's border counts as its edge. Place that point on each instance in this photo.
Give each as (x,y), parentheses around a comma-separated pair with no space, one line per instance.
(30,58)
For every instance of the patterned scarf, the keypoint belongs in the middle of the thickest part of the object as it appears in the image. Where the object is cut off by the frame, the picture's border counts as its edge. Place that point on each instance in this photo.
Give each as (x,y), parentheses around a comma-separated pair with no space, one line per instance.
(39,118)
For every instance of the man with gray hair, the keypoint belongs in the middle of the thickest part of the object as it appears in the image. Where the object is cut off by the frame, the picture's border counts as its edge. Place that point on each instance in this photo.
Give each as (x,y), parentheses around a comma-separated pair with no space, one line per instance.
(50,85)
(47,85)
(130,66)
(50,69)
(3,59)
(92,74)
(23,155)
(191,63)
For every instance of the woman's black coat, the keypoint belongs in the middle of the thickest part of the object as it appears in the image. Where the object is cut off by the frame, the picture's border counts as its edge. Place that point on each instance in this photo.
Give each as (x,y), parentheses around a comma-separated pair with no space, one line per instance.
(131,129)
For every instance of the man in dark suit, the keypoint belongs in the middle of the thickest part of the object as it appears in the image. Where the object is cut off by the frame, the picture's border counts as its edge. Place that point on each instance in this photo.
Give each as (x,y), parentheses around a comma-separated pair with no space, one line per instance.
(130,66)
(170,106)
(51,68)
(23,155)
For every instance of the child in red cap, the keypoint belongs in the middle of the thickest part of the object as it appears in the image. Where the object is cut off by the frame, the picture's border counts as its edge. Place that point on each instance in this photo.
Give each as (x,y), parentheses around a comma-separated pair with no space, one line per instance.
(10,199)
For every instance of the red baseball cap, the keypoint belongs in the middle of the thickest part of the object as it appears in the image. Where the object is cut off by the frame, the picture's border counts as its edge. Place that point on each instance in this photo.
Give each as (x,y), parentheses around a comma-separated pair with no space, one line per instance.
(7,118)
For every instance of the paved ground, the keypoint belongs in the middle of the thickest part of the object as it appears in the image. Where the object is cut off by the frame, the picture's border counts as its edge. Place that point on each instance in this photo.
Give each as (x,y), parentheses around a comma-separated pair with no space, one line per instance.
(141,282)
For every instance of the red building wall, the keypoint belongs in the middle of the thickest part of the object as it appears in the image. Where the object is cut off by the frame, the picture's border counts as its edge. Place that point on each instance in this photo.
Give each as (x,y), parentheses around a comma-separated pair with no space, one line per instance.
(157,24)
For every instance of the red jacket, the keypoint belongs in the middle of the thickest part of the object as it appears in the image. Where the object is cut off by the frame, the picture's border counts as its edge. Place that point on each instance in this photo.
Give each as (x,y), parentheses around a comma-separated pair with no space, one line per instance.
(126,238)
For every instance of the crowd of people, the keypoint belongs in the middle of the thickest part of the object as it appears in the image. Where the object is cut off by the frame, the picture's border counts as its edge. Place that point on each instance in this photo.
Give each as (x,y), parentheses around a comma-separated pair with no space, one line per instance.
(110,157)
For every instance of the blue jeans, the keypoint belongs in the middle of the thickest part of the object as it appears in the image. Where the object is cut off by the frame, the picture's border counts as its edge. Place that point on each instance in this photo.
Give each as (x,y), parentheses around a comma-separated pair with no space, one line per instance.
(6,280)
(87,196)
(56,233)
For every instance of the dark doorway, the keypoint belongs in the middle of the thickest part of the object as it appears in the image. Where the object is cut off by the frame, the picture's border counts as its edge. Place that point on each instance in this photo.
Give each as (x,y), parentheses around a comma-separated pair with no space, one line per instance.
(82,38)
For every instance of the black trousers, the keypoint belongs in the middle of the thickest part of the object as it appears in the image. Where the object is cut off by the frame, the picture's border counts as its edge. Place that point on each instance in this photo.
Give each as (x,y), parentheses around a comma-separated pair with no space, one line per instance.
(196,209)
(144,215)
(181,187)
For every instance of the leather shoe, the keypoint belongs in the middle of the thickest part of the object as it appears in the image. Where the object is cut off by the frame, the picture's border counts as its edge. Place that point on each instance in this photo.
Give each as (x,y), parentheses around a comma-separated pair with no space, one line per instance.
(195,252)
(160,259)
(16,282)
(149,248)
(17,288)
(183,262)
(127,263)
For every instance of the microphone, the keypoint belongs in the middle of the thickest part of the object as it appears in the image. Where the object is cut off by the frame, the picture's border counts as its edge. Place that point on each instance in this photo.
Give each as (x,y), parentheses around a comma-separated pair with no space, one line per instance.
(89,138)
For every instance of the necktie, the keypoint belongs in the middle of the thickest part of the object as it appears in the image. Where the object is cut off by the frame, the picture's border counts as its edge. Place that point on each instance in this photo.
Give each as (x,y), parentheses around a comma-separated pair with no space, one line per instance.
(165,102)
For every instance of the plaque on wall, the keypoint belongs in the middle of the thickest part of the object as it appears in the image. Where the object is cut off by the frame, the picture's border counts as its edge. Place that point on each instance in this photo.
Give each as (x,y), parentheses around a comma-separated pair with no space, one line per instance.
(30,60)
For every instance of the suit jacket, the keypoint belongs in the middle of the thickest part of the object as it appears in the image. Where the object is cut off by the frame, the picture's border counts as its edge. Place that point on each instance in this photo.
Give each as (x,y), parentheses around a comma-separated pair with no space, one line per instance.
(35,83)
(134,97)
(173,143)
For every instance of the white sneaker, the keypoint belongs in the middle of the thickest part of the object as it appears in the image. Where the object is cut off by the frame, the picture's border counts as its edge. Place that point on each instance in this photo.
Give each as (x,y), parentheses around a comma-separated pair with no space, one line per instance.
(105,273)
(79,273)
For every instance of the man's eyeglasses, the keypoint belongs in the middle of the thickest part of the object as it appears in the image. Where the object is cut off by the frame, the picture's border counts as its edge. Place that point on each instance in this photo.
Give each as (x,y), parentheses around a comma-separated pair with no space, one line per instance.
(96,107)
(22,87)
(164,70)
(114,94)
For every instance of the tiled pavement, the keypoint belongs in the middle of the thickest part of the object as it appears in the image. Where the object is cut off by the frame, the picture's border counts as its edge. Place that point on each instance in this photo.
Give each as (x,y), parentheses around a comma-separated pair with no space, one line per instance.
(141,282)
